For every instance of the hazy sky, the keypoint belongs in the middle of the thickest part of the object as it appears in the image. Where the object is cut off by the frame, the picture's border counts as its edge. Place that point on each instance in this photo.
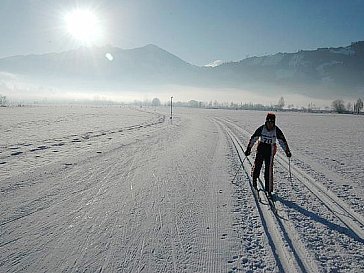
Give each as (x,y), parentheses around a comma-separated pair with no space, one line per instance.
(197,31)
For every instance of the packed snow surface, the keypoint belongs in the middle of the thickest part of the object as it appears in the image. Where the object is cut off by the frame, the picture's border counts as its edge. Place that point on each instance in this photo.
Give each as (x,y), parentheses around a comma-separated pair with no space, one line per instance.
(117,189)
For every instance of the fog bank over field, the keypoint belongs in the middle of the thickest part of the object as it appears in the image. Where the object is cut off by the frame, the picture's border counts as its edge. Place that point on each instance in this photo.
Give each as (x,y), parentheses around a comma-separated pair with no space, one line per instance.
(29,93)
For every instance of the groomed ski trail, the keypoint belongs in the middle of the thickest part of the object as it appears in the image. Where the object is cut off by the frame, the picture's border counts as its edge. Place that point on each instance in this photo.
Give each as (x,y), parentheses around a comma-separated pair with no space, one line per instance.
(290,254)
(340,209)
(328,228)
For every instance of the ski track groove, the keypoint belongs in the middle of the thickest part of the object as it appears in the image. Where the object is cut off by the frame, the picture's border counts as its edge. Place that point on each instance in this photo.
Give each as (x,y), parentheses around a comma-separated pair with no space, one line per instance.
(333,204)
(350,233)
(338,207)
(290,253)
(253,249)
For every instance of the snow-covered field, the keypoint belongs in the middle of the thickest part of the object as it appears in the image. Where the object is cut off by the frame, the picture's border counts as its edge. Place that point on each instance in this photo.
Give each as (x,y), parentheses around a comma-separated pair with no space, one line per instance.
(116,189)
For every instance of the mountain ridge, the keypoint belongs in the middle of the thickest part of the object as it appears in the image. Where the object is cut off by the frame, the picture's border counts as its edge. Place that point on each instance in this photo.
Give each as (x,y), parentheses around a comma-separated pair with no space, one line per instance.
(317,73)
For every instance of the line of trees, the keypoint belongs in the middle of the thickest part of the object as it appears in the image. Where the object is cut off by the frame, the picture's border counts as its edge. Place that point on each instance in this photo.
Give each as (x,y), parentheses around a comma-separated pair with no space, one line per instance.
(358,106)
(339,106)
(3,101)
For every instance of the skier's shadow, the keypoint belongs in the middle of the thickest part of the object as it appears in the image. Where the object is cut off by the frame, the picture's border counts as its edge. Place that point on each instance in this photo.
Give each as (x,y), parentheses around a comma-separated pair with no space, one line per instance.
(343,230)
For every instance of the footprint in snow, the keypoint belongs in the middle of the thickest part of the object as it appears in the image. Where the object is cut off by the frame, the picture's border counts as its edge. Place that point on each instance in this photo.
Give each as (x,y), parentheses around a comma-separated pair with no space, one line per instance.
(39,148)
(58,144)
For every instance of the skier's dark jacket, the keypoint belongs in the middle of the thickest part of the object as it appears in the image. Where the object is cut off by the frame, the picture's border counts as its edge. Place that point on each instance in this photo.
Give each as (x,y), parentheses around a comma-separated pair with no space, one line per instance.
(270,138)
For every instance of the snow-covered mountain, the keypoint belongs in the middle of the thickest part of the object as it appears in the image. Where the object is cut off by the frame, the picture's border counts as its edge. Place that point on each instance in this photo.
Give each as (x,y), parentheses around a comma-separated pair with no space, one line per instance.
(338,71)
(148,64)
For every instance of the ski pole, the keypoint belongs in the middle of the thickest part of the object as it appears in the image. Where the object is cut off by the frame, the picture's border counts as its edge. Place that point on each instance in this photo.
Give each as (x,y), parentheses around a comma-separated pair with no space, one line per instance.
(289,168)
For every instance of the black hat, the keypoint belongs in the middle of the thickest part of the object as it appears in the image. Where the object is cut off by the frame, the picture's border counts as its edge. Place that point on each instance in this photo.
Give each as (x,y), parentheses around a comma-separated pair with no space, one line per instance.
(271,117)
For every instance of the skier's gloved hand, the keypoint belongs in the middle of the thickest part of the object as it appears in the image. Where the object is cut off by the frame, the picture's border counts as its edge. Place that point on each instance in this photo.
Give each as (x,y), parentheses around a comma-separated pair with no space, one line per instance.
(247,152)
(288,153)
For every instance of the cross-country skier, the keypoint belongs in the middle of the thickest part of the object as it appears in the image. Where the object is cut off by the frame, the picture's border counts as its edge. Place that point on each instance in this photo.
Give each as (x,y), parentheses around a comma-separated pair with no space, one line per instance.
(268,134)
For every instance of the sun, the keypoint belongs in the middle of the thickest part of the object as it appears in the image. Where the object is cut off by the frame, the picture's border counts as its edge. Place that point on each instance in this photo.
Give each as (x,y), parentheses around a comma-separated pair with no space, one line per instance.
(83,25)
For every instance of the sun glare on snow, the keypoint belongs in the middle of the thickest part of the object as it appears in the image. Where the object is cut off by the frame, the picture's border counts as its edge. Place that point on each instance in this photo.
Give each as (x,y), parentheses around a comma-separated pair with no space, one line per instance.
(83,25)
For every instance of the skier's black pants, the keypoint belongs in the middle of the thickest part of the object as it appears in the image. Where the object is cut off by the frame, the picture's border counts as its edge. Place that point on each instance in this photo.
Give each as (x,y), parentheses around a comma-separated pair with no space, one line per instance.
(265,152)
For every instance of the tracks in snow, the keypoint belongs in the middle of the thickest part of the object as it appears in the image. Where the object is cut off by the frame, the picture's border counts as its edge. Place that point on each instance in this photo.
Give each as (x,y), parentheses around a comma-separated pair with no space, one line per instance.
(351,219)
(288,251)
(349,222)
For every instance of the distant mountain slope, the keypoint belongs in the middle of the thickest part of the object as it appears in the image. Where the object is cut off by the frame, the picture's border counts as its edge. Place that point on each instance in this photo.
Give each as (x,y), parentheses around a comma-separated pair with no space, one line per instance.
(148,64)
(317,73)
(339,69)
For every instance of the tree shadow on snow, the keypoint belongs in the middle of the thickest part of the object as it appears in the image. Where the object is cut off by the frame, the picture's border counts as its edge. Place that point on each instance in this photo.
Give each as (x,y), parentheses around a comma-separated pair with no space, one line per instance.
(335,227)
